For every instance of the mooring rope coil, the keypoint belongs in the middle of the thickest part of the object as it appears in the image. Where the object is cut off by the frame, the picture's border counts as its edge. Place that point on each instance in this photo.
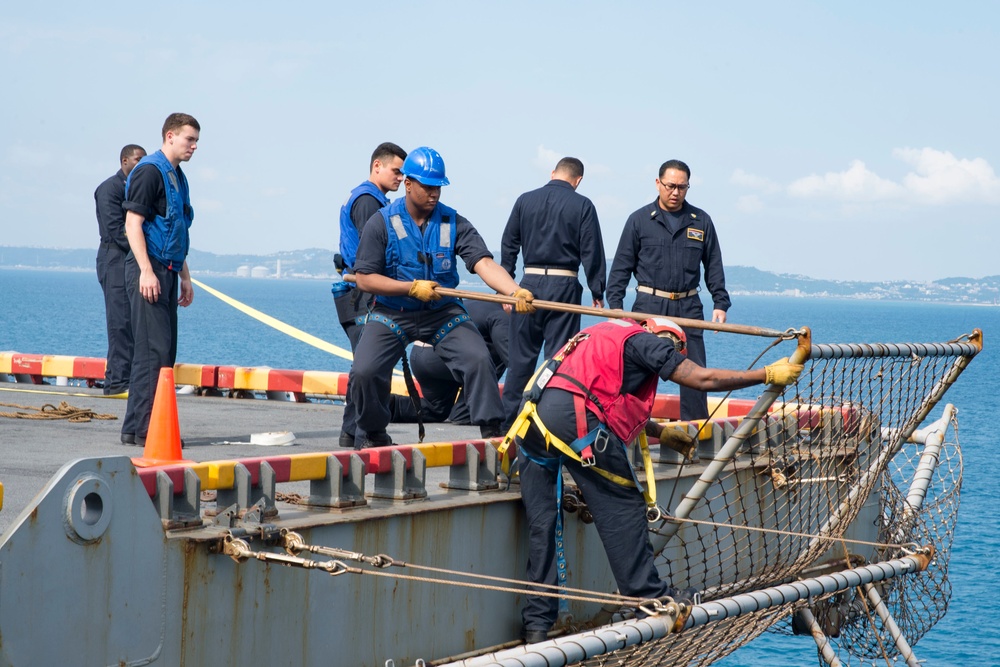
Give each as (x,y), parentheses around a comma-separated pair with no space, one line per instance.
(49,411)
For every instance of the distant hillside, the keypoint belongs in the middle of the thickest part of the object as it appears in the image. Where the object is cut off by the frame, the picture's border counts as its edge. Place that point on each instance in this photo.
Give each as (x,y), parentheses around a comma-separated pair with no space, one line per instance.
(318,263)
(308,263)
(748,280)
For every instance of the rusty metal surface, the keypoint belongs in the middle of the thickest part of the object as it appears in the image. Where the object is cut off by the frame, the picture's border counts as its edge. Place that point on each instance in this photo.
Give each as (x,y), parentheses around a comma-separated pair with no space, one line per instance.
(137,595)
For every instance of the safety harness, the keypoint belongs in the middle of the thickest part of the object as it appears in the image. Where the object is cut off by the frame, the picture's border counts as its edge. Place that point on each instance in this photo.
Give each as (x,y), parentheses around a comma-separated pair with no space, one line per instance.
(404,340)
(580,450)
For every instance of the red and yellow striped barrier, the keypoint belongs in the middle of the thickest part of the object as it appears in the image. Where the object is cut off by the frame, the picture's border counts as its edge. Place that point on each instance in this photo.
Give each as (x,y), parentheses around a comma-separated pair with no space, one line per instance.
(216,475)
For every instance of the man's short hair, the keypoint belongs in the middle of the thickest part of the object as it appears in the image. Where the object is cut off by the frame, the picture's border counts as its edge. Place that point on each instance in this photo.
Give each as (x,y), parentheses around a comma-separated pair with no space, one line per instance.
(130,150)
(571,166)
(176,121)
(675,164)
(385,151)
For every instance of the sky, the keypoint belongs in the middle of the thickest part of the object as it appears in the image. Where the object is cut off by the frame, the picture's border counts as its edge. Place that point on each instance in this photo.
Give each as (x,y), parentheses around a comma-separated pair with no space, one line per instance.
(838,140)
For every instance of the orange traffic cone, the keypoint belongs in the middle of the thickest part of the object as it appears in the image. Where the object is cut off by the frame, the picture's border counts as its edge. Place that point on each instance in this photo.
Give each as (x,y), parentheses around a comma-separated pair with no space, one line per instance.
(163,440)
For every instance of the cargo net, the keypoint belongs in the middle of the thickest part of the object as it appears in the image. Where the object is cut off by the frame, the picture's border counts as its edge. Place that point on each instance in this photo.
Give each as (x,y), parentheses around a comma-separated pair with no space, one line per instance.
(777,509)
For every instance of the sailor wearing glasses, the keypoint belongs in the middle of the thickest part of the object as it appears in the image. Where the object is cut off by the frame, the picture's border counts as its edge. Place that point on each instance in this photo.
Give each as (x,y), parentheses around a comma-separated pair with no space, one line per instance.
(664,245)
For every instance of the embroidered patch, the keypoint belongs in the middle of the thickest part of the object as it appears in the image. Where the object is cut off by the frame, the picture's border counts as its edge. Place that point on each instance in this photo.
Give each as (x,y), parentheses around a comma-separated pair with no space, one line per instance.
(696,234)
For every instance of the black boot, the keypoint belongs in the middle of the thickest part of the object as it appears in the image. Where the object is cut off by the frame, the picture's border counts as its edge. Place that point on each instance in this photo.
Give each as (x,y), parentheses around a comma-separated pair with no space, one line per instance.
(491,429)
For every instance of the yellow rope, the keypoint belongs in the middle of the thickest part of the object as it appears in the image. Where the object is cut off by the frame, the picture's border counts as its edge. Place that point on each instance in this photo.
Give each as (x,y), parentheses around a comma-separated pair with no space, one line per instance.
(278,325)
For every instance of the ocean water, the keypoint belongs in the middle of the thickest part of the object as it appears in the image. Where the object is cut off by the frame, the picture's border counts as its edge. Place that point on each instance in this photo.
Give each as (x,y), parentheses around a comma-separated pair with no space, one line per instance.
(63,313)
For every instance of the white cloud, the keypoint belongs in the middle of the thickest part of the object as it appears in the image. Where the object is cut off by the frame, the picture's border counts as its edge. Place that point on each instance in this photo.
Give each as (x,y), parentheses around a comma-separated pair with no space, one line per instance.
(857,183)
(937,177)
(546,158)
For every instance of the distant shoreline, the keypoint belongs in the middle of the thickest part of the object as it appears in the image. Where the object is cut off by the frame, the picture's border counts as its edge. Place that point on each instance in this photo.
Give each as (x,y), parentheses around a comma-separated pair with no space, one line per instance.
(784,294)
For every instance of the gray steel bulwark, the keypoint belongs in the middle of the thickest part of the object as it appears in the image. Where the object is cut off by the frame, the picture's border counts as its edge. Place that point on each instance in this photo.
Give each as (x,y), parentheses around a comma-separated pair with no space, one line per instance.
(83,574)
(88,576)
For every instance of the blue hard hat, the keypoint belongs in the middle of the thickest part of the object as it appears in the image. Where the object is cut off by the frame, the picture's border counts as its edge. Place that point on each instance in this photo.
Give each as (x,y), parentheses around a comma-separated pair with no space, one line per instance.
(426,166)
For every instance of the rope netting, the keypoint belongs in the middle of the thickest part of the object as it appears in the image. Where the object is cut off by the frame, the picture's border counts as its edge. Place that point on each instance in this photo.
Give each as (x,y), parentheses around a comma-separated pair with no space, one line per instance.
(779,496)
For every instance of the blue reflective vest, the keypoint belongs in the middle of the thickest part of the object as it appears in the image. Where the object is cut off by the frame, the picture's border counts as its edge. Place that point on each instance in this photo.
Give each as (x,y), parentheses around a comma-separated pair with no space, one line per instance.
(412,255)
(167,237)
(349,237)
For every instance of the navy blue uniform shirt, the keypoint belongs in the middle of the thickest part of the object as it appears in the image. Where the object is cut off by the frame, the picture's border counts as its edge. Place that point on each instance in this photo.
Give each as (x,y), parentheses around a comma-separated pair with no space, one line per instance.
(557,228)
(666,252)
(109,197)
(644,355)
(364,208)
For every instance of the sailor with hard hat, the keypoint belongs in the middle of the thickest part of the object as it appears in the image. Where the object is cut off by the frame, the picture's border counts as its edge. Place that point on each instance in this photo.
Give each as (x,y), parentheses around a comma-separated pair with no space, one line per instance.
(406,250)
(582,410)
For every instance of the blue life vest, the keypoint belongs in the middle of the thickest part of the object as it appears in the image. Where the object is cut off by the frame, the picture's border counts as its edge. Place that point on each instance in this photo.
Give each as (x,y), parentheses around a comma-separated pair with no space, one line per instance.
(412,255)
(167,237)
(349,237)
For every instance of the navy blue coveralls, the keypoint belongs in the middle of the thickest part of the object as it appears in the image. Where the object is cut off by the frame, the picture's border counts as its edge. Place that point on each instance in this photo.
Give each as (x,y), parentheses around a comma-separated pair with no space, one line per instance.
(462,348)
(557,228)
(665,251)
(363,202)
(619,511)
(438,385)
(108,197)
(154,325)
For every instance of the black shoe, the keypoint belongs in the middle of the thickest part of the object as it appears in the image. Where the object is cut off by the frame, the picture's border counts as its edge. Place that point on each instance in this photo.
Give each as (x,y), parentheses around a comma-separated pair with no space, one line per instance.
(346,441)
(492,429)
(377,439)
(534,636)
(128,438)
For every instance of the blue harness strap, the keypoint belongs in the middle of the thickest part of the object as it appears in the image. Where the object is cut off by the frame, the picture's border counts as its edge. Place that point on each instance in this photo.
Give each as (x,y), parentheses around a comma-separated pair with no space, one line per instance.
(555,464)
(448,327)
(387,321)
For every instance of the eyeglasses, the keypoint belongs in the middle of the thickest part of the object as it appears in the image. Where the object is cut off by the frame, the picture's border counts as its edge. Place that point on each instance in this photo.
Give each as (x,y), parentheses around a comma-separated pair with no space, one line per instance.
(673,186)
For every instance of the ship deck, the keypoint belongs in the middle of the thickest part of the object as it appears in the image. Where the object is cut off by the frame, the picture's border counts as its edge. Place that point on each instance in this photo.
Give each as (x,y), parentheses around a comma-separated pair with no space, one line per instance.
(34,450)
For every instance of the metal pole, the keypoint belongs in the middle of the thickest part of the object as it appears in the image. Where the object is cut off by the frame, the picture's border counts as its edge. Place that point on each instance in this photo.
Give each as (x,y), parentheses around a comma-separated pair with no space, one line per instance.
(822,641)
(932,438)
(572,649)
(890,625)
(576,648)
(748,603)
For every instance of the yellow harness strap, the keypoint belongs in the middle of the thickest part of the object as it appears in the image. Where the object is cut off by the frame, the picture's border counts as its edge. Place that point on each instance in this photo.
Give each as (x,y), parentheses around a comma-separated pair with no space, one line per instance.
(529,416)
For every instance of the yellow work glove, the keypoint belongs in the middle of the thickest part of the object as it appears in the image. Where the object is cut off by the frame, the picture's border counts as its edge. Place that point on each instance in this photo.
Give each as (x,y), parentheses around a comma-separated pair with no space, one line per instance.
(424,290)
(524,299)
(678,439)
(782,372)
